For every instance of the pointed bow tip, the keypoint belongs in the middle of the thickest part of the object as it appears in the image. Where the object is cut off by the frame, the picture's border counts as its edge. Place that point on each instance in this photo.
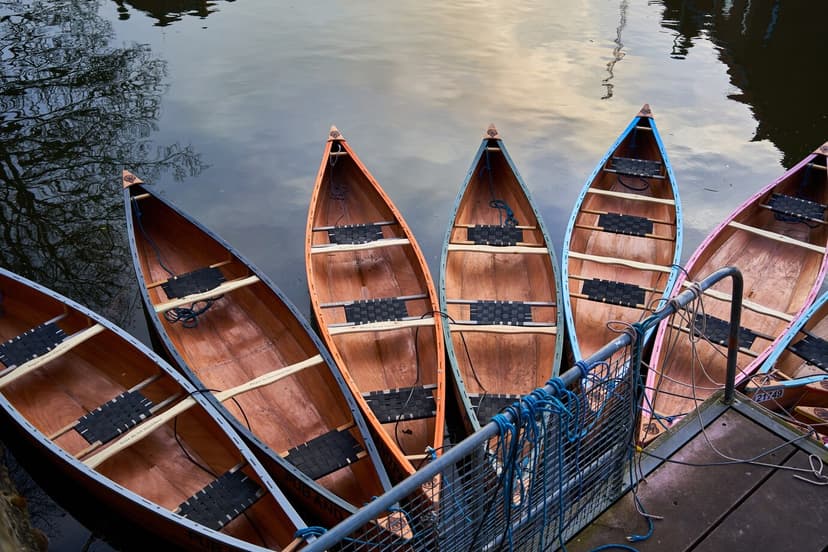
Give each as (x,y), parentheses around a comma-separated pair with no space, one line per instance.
(491,132)
(823,149)
(128,179)
(334,134)
(645,111)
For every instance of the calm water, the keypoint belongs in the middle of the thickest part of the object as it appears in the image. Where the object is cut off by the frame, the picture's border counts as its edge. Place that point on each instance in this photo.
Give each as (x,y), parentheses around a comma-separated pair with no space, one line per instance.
(225,106)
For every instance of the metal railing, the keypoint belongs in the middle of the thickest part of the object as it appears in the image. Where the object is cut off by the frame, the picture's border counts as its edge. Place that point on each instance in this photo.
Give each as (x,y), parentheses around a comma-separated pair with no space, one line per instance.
(539,471)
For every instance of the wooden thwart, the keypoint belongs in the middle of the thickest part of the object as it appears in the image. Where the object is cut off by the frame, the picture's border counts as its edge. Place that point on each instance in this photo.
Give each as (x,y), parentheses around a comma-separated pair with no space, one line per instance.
(64,346)
(622,262)
(504,328)
(633,197)
(143,430)
(335,248)
(381,326)
(498,249)
(223,288)
(750,305)
(775,236)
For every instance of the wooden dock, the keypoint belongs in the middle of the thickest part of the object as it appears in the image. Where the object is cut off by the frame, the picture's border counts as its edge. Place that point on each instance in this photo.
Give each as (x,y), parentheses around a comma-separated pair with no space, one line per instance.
(710,503)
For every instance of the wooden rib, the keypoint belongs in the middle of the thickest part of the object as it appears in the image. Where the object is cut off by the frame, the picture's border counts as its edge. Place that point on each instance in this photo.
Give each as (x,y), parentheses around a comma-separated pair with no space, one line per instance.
(638,127)
(599,229)
(503,328)
(216,265)
(596,212)
(519,227)
(808,219)
(816,166)
(623,262)
(389,242)
(775,236)
(223,288)
(497,249)
(381,326)
(741,349)
(634,197)
(750,305)
(268,378)
(380,223)
(338,153)
(64,346)
(352,301)
(416,456)
(136,387)
(140,196)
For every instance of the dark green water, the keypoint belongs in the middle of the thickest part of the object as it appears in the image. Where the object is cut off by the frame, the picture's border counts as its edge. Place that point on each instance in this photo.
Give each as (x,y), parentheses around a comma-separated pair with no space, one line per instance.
(225,106)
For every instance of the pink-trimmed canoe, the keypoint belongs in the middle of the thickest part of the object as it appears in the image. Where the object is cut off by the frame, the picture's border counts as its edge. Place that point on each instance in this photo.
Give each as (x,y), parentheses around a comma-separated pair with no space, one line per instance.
(124,442)
(374,300)
(777,239)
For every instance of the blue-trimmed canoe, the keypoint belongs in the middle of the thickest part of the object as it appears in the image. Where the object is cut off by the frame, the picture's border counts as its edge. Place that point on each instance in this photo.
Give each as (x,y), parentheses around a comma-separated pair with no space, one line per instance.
(777,239)
(623,240)
(122,440)
(796,371)
(499,287)
(226,325)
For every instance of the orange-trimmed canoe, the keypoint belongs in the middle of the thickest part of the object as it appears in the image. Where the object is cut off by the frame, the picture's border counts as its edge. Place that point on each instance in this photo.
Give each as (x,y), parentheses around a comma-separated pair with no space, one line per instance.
(777,238)
(125,442)
(227,325)
(375,303)
(500,287)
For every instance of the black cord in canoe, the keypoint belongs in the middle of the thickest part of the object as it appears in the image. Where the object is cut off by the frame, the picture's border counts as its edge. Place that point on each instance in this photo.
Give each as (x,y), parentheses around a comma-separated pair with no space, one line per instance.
(501,205)
(635,188)
(150,241)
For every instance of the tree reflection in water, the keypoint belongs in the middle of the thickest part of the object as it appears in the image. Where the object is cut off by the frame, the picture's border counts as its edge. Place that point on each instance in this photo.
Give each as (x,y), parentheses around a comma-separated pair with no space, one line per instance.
(74,111)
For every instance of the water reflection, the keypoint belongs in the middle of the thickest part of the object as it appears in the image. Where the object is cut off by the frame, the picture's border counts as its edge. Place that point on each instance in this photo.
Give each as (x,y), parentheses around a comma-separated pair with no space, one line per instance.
(166,12)
(74,112)
(771,49)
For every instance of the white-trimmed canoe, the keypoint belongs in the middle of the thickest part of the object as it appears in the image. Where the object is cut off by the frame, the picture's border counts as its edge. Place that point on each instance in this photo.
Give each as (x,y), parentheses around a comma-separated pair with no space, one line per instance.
(777,239)
(499,287)
(227,325)
(123,441)
(623,240)
(375,304)
(796,371)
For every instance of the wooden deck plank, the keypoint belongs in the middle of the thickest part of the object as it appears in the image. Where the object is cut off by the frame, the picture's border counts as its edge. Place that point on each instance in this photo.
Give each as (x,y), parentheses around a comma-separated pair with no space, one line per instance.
(783,514)
(693,500)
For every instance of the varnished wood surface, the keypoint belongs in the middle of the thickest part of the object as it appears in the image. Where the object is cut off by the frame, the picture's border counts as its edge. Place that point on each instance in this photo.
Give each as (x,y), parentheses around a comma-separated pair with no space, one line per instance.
(346,194)
(167,467)
(248,332)
(643,261)
(488,361)
(780,276)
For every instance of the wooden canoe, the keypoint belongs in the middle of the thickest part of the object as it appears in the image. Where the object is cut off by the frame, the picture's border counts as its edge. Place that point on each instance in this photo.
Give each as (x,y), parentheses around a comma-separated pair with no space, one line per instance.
(623,239)
(499,287)
(226,325)
(375,303)
(115,430)
(777,239)
(796,370)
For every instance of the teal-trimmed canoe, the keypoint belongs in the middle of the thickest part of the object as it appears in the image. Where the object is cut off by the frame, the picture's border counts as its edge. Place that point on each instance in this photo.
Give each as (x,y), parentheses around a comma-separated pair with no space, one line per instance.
(499,287)
(796,371)
(623,240)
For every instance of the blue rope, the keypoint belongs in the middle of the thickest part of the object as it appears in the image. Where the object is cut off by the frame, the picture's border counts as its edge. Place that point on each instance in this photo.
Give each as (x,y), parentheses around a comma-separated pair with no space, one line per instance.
(311,531)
